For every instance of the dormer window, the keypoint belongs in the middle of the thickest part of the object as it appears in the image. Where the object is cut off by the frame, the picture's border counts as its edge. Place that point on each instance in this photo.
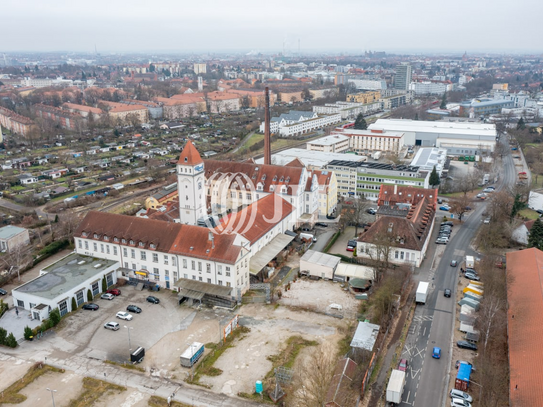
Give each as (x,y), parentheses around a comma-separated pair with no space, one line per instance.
(282,179)
(124,241)
(288,179)
(186,159)
(106,238)
(131,242)
(263,177)
(152,246)
(96,236)
(84,234)
(275,178)
(116,239)
(141,244)
(272,188)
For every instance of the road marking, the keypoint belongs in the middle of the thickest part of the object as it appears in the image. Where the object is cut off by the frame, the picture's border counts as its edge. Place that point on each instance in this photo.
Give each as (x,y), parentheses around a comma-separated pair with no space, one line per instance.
(416,373)
(424,332)
(420,318)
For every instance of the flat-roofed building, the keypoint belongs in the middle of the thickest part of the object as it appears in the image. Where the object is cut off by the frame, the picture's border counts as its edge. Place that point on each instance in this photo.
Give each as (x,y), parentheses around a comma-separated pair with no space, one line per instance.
(335,143)
(12,237)
(368,141)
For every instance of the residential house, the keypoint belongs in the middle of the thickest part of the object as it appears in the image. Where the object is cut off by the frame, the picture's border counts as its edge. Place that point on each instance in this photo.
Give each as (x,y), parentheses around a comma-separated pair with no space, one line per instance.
(12,237)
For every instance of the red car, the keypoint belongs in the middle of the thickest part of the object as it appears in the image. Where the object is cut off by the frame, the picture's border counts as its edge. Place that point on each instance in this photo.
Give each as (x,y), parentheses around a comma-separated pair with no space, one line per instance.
(350,248)
(403,365)
(114,291)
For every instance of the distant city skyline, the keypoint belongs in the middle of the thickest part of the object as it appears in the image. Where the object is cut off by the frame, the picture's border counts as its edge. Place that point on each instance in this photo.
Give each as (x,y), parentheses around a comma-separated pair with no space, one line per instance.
(351,26)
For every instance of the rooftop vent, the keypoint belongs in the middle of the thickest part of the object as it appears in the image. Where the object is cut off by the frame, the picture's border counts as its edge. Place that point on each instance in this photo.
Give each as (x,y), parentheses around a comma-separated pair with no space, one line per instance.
(81,262)
(192,248)
(98,265)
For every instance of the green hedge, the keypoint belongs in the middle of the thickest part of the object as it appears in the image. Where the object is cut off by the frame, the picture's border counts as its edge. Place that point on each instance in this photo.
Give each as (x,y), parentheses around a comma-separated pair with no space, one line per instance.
(51,249)
(332,241)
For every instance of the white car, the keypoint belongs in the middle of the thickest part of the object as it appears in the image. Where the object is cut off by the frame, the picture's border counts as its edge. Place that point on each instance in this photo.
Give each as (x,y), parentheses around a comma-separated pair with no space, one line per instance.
(456,402)
(114,326)
(459,394)
(124,315)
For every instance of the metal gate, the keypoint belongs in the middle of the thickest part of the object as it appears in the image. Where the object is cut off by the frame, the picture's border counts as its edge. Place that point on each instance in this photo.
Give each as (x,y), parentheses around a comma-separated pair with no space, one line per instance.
(95,290)
(63,307)
(79,298)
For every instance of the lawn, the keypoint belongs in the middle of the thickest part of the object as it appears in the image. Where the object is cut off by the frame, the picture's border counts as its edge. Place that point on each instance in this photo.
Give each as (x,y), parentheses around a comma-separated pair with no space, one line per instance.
(529,214)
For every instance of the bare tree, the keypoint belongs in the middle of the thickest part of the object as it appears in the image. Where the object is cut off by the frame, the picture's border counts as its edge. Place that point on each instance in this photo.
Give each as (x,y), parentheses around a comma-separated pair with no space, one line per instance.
(459,206)
(313,377)
(17,259)
(467,183)
(68,224)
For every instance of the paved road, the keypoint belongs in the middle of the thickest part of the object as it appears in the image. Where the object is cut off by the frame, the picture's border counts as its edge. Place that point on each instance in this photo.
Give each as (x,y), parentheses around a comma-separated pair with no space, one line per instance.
(433,323)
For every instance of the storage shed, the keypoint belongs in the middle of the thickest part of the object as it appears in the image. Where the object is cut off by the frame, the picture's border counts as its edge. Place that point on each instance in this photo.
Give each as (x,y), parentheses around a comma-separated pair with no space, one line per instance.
(319,264)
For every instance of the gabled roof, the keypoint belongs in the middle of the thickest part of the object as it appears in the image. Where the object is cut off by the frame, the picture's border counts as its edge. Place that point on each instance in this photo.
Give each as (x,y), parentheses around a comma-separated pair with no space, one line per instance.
(189,155)
(259,218)
(525,326)
(295,163)
(398,194)
(165,237)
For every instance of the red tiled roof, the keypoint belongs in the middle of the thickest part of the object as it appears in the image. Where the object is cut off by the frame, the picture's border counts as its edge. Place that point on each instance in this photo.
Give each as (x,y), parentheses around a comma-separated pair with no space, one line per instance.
(259,218)
(295,163)
(167,237)
(189,155)
(395,194)
(525,327)
(82,108)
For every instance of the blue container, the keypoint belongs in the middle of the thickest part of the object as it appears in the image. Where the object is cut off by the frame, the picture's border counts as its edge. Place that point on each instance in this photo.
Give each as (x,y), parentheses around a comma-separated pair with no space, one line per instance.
(258,387)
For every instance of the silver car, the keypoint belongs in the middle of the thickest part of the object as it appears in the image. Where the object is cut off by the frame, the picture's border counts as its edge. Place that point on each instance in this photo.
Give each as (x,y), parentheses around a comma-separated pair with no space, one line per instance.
(114,326)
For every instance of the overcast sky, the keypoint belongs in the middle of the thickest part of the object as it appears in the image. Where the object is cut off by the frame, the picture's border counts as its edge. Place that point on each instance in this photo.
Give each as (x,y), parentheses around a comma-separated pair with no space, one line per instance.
(243,25)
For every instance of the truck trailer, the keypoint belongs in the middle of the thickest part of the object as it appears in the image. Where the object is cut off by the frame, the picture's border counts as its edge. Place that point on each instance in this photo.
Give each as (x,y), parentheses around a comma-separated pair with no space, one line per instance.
(192,354)
(395,387)
(470,262)
(422,293)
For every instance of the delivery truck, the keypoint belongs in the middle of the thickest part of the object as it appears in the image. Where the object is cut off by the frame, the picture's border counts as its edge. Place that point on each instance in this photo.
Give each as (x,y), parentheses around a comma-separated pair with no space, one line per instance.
(470,262)
(192,354)
(422,293)
(395,387)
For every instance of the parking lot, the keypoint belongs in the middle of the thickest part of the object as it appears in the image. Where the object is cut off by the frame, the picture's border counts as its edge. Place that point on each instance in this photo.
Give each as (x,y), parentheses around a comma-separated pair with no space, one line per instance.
(86,328)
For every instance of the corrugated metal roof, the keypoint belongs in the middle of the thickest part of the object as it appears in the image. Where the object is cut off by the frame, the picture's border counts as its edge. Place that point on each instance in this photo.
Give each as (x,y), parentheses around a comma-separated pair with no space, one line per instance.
(322,259)
(365,336)
(268,252)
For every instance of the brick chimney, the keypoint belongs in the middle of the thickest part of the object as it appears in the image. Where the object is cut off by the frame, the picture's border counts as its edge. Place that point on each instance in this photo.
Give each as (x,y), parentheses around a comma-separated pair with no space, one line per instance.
(267,140)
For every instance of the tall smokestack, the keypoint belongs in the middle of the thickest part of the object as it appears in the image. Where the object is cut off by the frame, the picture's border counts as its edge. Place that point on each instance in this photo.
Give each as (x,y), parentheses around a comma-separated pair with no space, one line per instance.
(267,140)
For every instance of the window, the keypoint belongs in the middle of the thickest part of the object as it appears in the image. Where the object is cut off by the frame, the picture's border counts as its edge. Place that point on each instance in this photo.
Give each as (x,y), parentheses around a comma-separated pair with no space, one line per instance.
(193,264)
(133,266)
(156,273)
(106,238)
(184,275)
(209,280)
(228,284)
(208,268)
(95,236)
(174,262)
(220,282)
(175,275)
(115,250)
(132,253)
(166,260)
(155,257)
(102,247)
(167,273)
(200,278)
(95,246)
(131,242)
(125,264)
(116,239)
(219,270)
(184,263)
(79,244)
(141,244)
(86,245)
(194,277)
(107,248)
(228,271)
(200,266)
(396,254)
(143,255)
(125,252)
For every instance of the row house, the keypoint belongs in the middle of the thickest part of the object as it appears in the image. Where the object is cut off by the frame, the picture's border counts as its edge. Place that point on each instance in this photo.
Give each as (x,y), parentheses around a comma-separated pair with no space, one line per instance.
(14,122)
(63,118)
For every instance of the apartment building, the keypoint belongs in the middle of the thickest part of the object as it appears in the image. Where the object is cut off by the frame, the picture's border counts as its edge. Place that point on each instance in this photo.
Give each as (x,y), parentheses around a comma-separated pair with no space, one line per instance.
(336,143)
(368,141)
(348,110)
(364,97)
(430,87)
(14,122)
(121,111)
(402,78)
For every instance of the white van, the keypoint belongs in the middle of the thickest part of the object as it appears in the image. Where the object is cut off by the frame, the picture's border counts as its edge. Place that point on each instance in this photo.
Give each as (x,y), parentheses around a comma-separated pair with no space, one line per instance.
(308,236)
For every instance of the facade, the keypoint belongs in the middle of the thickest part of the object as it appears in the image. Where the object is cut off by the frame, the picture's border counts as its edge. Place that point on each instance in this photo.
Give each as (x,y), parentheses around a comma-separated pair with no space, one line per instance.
(155,109)
(368,141)
(174,109)
(64,118)
(349,110)
(74,276)
(191,186)
(200,68)
(366,84)
(254,98)
(430,87)
(402,78)
(296,123)
(82,110)
(336,143)
(121,111)
(364,97)
(365,178)
(429,133)
(14,122)
(403,226)
(394,101)
(12,237)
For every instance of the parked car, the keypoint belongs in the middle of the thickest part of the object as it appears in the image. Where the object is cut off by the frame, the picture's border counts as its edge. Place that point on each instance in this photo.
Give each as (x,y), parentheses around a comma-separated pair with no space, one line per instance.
(454,263)
(114,291)
(447,293)
(448,223)
(3,292)
(403,365)
(439,201)
(488,190)
(468,208)
(436,353)
(114,326)
(371,211)
(351,243)
(482,196)
(459,394)
(466,345)
(442,240)
(90,306)
(445,208)
(321,224)
(124,315)
(471,276)
(486,221)
(133,308)
(350,248)
(470,270)
(153,299)
(107,296)
(458,402)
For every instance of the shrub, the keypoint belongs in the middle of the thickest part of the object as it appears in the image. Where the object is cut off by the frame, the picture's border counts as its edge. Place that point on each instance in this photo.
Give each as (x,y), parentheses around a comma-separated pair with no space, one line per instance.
(11,341)
(28,332)
(3,336)
(3,307)
(89,295)
(54,317)
(74,304)
(104,285)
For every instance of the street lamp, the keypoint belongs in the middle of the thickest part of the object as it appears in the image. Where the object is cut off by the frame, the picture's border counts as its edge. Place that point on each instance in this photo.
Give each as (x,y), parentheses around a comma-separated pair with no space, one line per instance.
(52,395)
(128,329)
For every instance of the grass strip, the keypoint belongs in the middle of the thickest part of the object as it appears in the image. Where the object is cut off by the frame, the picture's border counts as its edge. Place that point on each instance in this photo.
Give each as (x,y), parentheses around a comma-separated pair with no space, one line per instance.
(130,366)
(93,390)
(11,394)
(155,401)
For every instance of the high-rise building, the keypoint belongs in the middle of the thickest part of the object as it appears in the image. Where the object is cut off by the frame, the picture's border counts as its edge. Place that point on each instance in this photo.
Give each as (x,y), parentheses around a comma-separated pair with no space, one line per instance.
(402,79)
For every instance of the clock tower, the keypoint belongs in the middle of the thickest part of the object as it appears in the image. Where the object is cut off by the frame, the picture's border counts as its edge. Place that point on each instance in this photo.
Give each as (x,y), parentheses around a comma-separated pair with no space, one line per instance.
(191,185)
